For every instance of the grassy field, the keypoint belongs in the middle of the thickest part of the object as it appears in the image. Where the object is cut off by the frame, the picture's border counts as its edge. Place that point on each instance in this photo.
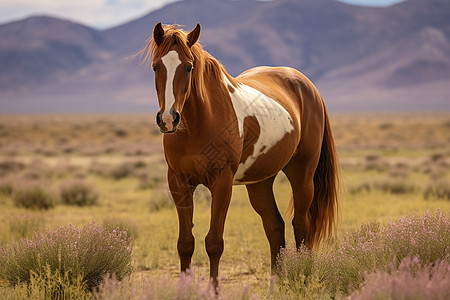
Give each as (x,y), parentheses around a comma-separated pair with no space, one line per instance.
(392,166)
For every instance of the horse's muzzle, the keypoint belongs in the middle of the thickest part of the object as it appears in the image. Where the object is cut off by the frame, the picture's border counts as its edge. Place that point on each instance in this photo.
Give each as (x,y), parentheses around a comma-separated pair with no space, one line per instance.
(168,123)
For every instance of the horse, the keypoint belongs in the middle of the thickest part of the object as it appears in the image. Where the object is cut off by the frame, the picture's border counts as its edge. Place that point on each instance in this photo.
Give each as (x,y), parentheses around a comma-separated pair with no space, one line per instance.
(221,131)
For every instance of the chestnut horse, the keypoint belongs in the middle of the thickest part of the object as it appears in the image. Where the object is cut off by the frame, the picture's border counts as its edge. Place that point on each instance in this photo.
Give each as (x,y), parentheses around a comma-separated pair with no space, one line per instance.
(221,131)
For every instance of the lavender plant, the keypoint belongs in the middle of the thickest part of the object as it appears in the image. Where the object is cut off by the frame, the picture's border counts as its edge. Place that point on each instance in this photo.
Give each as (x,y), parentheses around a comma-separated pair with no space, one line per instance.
(112,223)
(411,280)
(89,252)
(342,268)
(186,287)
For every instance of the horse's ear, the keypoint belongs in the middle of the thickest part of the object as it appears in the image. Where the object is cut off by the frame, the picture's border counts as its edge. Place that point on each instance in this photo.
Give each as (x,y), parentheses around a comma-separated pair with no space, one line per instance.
(194,35)
(158,33)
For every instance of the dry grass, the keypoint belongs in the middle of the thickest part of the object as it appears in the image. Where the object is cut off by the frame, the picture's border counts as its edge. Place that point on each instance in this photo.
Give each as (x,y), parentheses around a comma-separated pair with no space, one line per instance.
(122,157)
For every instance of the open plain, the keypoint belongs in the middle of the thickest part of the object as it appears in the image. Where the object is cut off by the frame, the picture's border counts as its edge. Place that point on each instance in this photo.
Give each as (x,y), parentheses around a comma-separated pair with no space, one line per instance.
(393,166)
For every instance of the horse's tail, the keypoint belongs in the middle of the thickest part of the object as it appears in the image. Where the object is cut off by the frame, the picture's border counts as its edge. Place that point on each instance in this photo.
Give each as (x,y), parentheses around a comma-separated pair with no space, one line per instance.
(323,212)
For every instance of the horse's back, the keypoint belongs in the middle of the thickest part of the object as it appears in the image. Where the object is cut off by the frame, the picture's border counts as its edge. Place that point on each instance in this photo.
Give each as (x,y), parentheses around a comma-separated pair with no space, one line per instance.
(291,88)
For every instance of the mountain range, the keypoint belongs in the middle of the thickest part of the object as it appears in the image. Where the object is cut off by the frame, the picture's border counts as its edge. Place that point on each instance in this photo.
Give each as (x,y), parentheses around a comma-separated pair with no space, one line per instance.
(395,58)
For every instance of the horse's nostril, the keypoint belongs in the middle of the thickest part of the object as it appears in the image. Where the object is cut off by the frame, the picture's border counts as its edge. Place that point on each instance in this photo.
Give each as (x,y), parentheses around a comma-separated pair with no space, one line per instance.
(159,119)
(176,119)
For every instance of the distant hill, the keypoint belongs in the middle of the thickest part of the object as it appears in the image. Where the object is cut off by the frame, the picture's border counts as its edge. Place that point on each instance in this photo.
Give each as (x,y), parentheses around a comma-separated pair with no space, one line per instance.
(360,58)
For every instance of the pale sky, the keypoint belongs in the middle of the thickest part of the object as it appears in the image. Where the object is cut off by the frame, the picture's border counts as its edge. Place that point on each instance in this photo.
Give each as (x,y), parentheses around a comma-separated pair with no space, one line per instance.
(104,13)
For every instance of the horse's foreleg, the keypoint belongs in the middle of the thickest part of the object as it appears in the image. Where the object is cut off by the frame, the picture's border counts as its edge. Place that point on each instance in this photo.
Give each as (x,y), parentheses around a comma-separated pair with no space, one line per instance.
(221,195)
(182,193)
(263,202)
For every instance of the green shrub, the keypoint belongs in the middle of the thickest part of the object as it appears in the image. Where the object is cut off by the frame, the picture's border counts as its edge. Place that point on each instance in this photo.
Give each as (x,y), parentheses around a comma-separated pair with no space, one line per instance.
(78,192)
(6,187)
(10,166)
(24,226)
(437,189)
(34,196)
(375,162)
(49,285)
(160,199)
(147,182)
(395,186)
(365,186)
(70,252)
(120,132)
(399,170)
(121,171)
(98,168)
(37,170)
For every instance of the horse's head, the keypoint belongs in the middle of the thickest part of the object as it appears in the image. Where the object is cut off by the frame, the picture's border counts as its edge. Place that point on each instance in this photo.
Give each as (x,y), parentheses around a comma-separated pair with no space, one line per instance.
(173,63)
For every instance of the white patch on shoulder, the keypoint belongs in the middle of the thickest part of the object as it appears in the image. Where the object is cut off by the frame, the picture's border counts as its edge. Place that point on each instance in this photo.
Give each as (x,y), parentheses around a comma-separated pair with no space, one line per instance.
(273,119)
(171,61)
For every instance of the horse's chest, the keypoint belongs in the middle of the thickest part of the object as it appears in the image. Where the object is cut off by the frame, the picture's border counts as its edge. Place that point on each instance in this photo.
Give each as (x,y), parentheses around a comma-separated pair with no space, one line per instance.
(267,130)
(206,158)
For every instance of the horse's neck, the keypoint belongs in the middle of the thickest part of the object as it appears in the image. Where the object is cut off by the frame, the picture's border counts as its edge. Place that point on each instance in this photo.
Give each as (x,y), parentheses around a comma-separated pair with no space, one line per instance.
(201,112)
(195,112)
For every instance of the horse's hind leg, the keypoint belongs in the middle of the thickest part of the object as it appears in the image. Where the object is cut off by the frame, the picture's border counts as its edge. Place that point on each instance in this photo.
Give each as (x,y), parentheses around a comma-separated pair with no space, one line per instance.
(300,173)
(263,201)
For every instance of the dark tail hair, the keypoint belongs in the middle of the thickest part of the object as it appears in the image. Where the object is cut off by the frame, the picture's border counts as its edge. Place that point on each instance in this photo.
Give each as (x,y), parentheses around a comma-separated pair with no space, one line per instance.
(324,208)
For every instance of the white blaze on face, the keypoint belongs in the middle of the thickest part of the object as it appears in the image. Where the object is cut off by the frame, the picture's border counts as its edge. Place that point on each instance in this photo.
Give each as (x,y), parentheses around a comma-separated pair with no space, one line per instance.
(273,119)
(171,61)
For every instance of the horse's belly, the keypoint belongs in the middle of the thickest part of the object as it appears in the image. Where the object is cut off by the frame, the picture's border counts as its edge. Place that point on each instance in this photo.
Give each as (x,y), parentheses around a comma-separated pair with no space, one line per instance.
(270,138)
(264,164)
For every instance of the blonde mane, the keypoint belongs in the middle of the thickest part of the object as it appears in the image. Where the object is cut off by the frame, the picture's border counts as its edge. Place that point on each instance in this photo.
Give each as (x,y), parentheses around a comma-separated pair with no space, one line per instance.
(205,65)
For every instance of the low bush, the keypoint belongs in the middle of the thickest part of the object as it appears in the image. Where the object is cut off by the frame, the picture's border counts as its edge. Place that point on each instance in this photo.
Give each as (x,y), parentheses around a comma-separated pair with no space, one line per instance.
(37,170)
(49,285)
(64,170)
(24,226)
(342,268)
(70,252)
(33,196)
(98,168)
(147,182)
(118,171)
(78,192)
(186,287)
(114,223)
(435,165)
(120,132)
(6,187)
(121,171)
(439,189)
(395,185)
(160,199)
(399,170)
(410,280)
(10,166)
(375,162)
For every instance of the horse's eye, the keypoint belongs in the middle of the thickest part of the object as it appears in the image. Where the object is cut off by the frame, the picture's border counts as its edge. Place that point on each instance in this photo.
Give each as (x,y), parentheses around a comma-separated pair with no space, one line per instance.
(154,68)
(189,68)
